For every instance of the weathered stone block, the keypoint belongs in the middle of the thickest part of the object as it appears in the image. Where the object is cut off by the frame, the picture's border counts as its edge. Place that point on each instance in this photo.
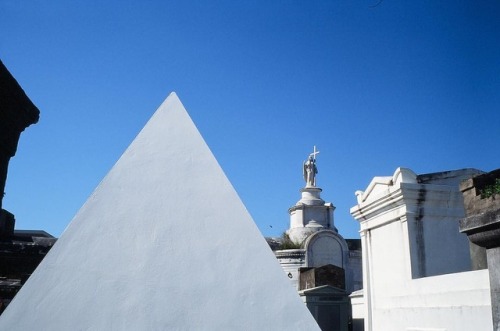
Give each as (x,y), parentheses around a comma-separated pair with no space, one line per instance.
(471,189)
(325,275)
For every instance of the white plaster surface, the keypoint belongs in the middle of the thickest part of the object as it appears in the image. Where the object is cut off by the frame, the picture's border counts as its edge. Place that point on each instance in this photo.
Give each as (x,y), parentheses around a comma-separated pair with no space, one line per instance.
(163,243)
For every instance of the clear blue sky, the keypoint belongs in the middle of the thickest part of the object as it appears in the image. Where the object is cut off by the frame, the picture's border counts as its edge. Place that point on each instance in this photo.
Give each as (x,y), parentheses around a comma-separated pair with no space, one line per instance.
(403,83)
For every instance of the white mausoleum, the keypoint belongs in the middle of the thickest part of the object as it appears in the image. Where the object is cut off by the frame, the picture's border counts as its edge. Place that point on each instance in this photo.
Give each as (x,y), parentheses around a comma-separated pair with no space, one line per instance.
(312,227)
(324,267)
(416,264)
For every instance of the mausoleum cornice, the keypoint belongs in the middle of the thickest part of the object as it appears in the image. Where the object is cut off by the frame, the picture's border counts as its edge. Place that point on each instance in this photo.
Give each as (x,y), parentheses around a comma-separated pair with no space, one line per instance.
(384,185)
(384,204)
(407,200)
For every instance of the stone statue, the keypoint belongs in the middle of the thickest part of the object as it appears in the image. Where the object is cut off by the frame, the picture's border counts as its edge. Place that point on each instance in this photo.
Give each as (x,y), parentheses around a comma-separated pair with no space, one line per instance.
(310,170)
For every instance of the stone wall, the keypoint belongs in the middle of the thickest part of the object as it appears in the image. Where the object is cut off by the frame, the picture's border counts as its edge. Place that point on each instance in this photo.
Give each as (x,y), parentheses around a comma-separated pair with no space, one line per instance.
(482,226)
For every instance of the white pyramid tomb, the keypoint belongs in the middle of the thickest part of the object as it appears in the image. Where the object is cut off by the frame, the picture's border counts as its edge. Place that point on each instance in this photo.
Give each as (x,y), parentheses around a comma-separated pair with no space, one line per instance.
(163,243)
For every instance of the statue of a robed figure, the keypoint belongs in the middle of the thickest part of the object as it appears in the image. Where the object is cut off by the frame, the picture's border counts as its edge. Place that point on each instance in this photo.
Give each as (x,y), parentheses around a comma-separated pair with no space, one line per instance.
(310,170)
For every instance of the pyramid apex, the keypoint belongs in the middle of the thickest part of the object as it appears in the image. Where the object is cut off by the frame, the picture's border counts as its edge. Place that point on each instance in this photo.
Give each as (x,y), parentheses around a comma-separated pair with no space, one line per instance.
(173,94)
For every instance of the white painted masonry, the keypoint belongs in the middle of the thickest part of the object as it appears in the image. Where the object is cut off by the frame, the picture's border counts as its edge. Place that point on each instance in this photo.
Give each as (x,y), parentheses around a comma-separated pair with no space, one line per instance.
(163,243)
(415,261)
(310,215)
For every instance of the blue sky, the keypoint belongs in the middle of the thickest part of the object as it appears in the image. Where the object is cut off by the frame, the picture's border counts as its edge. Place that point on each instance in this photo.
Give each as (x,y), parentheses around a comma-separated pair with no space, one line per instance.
(375,87)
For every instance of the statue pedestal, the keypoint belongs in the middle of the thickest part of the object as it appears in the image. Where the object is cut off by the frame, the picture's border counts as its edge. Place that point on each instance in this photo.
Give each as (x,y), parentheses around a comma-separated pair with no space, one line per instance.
(309,215)
(311,196)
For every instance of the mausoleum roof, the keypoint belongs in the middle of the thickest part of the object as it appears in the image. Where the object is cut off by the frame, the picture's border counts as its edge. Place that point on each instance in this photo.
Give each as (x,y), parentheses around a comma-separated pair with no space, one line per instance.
(380,186)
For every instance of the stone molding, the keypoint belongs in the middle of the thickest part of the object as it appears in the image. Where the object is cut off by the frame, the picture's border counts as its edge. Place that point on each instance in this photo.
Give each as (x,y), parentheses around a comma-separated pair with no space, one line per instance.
(290,253)
(404,201)
(379,185)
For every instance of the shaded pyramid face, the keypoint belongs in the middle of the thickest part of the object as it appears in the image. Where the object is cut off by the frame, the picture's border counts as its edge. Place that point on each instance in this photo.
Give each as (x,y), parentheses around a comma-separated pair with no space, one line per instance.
(163,243)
